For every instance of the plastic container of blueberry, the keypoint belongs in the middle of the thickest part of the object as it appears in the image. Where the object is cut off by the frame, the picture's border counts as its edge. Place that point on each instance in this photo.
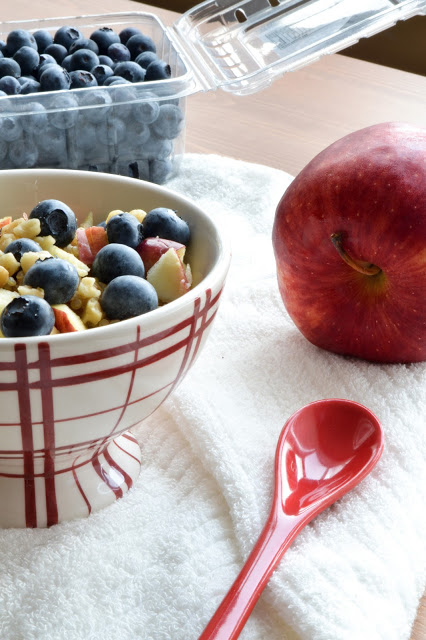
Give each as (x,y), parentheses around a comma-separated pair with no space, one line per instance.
(130,120)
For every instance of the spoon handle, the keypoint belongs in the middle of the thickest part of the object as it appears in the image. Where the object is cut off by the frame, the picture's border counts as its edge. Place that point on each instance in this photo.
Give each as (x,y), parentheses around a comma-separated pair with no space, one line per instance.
(231,615)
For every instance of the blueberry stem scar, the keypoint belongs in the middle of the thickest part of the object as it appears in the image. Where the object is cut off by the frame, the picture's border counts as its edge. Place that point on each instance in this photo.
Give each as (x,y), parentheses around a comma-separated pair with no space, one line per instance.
(365,268)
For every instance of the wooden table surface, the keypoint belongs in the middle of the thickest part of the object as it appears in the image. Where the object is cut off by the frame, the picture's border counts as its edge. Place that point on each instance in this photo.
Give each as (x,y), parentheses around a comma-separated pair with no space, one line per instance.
(285,125)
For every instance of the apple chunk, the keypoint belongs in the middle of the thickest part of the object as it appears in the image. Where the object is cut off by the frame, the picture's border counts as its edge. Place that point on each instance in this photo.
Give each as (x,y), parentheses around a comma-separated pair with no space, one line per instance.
(84,250)
(66,320)
(151,250)
(169,277)
(90,240)
(5,221)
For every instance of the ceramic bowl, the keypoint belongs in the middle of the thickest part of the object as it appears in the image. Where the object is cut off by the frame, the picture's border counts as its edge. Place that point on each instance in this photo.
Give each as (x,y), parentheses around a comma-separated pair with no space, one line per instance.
(68,401)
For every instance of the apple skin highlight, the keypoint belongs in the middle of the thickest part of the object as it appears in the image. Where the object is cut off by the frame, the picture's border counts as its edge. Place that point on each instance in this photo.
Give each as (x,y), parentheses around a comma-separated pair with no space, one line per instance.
(369,188)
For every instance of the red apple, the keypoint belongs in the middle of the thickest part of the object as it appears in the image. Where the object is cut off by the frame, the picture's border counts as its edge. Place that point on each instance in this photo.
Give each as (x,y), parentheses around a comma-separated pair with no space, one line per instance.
(349,238)
(151,250)
(66,320)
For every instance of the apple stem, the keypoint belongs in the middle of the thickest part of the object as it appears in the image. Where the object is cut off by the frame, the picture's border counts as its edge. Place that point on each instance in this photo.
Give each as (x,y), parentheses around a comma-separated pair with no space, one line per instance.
(366,268)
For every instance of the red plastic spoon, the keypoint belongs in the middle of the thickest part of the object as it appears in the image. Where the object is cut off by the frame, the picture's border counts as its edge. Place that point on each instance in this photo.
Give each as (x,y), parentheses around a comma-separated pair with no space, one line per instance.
(324,450)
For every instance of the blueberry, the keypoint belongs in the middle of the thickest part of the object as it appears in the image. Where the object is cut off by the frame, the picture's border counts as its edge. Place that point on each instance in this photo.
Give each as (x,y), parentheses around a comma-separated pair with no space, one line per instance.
(84,43)
(22,153)
(146,112)
(43,39)
(118,52)
(76,156)
(138,169)
(139,43)
(58,279)
(7,108)
(9,67)
(124,98)
(83,60)
(10,86)
(28,85)
(124,229)
(128,296)
(115,260)
(65,111)
(158,148)
(100,101)
(67,35)
(115,80)
(145,58)
(169,123)
(51,144)
(45,59)
(130,71)
(85,134)
(28,60)
(102,224)
(27,316)
(57,51)
(158,70)
(111,133)
(101,73)
(66,62)
(167,224)
(34,116)
(19,38)
(136,136)
(10,128)
(104,37)
(57,220)
(103,59)
(54,78)
(21,246)
(128,32)
(159,170)
(82,79)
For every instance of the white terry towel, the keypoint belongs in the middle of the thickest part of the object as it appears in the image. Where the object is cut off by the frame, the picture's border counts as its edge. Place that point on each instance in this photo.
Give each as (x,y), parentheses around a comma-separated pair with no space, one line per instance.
(155,565)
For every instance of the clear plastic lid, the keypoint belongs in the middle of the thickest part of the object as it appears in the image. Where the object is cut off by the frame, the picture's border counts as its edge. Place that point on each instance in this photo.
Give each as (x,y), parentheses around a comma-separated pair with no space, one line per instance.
(243,46)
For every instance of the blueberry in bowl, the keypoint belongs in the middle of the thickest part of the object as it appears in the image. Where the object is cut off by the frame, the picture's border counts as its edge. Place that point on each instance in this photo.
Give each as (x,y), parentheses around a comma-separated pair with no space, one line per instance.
(20,246)
(128,296)
(56,220)
(58,279)
(72,391)
(27,316)
(115,260)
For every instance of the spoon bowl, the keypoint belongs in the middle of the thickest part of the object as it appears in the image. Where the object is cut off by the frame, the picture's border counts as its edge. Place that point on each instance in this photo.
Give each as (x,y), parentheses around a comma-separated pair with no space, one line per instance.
(324,450)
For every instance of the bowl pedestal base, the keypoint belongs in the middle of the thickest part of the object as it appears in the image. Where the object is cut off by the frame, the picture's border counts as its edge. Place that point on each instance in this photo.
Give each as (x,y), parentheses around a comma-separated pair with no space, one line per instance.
(43,491)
